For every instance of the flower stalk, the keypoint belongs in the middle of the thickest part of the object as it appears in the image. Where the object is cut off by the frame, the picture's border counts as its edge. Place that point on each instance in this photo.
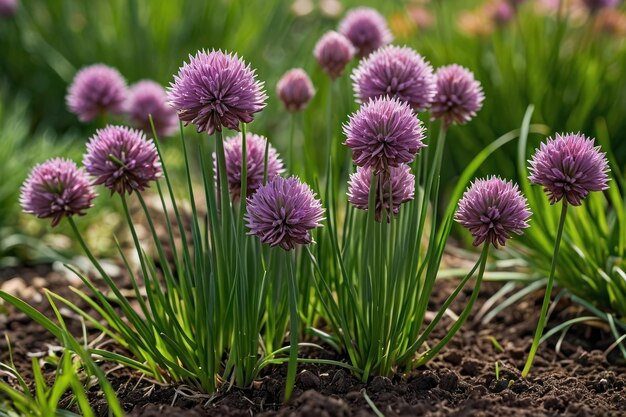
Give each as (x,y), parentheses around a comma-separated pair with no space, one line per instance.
(546,298)
(428,355)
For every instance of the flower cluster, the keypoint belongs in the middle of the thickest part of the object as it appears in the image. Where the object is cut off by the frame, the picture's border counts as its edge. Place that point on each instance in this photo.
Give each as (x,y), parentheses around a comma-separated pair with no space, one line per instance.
(333,52)
(493,209)
(384,136)
(384,133)
(8,8)
(295,90)
(96,90)
(459,96)
(283,212)
(57,189)
(392,189)
(255,163)
(216,90)
(395,71)
(392,84)
(122,159)
(366,29)
(501,12)
(147,98)
(569,166)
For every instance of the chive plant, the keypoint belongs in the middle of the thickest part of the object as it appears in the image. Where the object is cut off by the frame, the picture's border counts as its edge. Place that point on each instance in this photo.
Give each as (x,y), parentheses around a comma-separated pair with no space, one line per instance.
(217,312)
(74,371)
(214,314)
(591,267)
(374,275)
(568,167)
(375,278)
(594,239)
(44,400)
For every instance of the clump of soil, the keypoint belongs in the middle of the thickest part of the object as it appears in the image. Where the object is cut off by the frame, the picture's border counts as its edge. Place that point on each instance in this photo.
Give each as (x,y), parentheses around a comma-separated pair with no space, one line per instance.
(578,380)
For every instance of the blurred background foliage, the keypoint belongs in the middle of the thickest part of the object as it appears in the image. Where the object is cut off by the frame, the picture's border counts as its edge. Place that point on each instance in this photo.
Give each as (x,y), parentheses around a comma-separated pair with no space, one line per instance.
(569,65)
(567,62)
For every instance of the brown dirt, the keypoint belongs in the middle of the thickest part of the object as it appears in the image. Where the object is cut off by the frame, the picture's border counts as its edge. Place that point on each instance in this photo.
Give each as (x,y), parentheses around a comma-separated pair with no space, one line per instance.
(579,380)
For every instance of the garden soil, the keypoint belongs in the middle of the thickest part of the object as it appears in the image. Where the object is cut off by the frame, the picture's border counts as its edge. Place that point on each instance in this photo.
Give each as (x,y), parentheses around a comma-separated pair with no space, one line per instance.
(580,379)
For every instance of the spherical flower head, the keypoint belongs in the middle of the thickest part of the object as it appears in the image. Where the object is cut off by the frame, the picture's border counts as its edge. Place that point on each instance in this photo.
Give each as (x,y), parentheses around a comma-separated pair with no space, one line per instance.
(122,159)
(333,52)
(492,209)
(569,166)
(367,30)
(295,90)
(384,133)
(255,163)
(501,12)
(56,189)
(459,96)
(283,212)
(596,5)
(216,90)
(147,98)
(8,8)
(396,187)
(395,71)
(96,90)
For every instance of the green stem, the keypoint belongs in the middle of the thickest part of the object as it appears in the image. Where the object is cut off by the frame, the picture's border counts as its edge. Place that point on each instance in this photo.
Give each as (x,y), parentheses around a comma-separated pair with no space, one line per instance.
(133,232)
(293,329)
(439,147)
(292,134)
(223,179)
(546,298)
(422,338)
(329,128)
(83,245)
(243,193)
(464,315)
(265,160)
(433,173)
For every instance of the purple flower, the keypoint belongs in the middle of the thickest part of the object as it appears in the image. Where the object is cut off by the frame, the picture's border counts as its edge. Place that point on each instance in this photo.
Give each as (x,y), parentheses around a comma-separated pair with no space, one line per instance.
(95,90)
(255,163)
(367,30)
(396,72)
(122,159)
(459,96)
(295,90)
(595,5)
(384,133)
(216,90)
(147,98)
(56,189)
(333,52)
(569,166)
(502,12)
(283,212)
(399,181)
(8,8)
(492,209)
